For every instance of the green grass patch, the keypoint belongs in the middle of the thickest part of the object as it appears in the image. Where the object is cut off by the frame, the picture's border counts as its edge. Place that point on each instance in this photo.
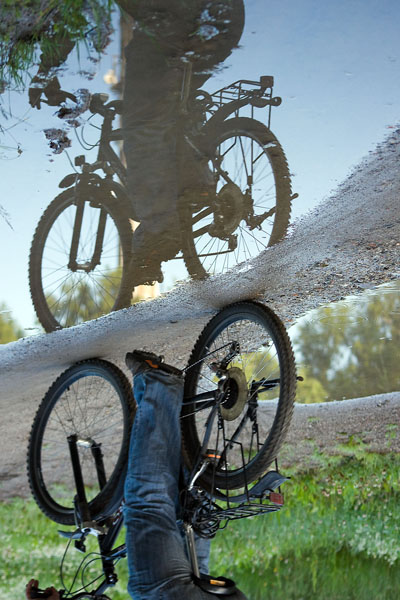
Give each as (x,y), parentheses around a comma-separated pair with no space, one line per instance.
(336,538)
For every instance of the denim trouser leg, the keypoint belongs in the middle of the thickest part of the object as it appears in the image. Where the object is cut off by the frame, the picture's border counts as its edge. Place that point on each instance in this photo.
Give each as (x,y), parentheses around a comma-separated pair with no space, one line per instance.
(158,565)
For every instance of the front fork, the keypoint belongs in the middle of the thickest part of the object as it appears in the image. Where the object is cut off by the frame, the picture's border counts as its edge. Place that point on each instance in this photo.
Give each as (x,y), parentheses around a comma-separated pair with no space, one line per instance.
(89,265)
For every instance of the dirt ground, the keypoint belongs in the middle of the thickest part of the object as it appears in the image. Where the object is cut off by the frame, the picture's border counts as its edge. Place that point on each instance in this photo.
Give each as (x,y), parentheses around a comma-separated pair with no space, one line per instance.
(350,242)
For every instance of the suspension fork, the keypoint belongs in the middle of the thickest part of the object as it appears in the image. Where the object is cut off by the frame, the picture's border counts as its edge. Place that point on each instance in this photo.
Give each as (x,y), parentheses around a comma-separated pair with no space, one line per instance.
(73,265)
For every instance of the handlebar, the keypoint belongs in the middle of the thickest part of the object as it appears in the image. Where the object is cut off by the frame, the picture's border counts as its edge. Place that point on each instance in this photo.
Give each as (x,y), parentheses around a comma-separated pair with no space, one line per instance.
(56,98)
(98,105)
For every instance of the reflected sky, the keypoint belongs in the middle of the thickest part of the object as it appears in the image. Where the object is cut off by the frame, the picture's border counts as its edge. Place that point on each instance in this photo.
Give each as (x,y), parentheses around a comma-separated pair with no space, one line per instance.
(335,67)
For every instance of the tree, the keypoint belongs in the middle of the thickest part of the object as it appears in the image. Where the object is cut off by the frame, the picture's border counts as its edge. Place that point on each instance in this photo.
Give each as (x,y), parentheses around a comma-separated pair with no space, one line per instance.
(9,328)
(78,301)
(310,390)
(353,349)
(30,26)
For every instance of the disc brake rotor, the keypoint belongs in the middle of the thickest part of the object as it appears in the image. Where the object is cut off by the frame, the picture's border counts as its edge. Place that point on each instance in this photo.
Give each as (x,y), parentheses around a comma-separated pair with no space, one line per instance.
(236,394)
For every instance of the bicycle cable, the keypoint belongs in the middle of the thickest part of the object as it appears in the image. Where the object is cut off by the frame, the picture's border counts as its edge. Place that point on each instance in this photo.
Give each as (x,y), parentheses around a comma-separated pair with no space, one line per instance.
(86,585)
(70,161)
(94,127)
(62,565)
(81,139)
(206,356)
(79,570)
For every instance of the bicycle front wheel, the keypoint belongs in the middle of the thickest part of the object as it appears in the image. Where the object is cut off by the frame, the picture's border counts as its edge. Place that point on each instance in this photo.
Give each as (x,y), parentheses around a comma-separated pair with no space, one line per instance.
(92,400)
(251,209)
(78,262)
(246,354)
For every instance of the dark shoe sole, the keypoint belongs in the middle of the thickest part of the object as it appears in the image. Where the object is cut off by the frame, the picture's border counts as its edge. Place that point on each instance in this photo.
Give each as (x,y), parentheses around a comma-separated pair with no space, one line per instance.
(151,361)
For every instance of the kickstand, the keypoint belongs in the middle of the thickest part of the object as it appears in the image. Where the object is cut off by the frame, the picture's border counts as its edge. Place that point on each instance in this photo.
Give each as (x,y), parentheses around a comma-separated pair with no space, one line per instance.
(192,549)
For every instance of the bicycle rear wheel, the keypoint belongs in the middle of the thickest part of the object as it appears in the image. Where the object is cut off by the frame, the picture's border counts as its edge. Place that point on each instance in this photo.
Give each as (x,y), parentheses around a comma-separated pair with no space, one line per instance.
(251,209)
(93,400)
(246,353)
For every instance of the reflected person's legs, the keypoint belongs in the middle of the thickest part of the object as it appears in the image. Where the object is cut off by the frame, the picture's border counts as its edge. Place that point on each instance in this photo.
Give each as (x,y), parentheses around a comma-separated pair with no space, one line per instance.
(151,101)
(160,165)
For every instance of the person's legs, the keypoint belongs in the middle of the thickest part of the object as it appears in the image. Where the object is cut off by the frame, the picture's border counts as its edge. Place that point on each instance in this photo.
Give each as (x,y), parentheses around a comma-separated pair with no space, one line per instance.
(158,565)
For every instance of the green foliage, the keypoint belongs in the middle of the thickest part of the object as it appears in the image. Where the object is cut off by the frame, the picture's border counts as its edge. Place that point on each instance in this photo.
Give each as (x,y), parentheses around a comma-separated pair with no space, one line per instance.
(9,328)
(335,539)
(78,301)
(29,27)
(351,349)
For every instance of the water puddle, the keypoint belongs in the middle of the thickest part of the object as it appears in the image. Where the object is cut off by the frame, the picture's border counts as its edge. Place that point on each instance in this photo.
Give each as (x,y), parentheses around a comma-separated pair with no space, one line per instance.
(116,120)
(351,348)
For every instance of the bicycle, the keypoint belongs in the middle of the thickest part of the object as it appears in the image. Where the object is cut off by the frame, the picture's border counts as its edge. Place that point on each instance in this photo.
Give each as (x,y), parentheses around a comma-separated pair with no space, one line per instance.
(81,249)
(239,391)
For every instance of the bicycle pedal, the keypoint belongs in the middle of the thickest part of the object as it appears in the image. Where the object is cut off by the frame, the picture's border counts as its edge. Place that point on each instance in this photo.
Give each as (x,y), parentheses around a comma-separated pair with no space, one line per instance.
(71,535)
(137,357)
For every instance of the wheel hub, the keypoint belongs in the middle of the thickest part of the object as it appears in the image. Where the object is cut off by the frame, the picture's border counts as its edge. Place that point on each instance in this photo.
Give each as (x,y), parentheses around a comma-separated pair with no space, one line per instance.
(228,211)
(236,392)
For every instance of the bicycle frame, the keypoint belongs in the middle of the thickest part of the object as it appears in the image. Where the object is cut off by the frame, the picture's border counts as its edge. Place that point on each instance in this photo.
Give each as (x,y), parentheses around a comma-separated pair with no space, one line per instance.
(248,503)
(219,106)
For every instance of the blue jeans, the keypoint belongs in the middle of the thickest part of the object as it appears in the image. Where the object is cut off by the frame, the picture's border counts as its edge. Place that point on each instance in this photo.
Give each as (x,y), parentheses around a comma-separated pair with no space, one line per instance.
(158,564)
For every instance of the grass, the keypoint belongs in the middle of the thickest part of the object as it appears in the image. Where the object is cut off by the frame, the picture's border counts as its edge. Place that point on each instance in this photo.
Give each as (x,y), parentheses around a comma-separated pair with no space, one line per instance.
(337,537)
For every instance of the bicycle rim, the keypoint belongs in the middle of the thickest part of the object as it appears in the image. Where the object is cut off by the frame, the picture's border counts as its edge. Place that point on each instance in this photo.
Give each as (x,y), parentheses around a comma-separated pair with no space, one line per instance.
(250,423)
(92,400)
(251,213)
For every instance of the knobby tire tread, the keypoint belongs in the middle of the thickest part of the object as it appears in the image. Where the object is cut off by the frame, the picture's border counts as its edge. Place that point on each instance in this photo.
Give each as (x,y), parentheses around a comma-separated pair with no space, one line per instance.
(47,220)
(108,500)
(190,437)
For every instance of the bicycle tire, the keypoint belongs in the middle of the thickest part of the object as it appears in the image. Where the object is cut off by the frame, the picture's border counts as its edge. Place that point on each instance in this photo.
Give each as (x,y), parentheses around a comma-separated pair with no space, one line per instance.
(204,253)
(265,351)
(93,399)
(63,297)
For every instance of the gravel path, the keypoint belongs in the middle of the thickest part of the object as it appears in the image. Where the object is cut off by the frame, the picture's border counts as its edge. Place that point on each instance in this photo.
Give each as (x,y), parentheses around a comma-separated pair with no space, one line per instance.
(350,242)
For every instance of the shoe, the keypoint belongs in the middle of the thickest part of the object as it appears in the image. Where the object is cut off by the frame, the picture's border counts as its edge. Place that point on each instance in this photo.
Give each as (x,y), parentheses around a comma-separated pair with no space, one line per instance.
(140,361)
(144,274)
(148,253)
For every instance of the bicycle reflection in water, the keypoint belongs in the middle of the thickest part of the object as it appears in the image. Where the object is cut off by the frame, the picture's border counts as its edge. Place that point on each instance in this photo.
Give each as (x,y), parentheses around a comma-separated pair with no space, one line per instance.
(206,184)
(81,253)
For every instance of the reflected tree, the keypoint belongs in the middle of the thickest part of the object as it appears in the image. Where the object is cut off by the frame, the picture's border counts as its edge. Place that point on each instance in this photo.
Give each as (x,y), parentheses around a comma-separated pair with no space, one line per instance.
(353,350)
(310,390)
(79,301)
(9,328)
(29,28)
